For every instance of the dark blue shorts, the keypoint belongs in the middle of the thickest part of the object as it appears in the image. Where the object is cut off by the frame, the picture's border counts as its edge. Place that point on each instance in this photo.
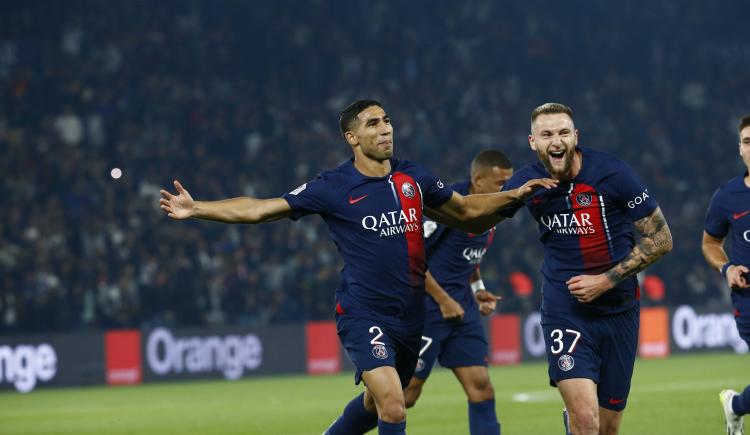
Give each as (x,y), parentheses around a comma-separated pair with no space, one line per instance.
(600,348)
(371,344)
(454,344)
(741,304)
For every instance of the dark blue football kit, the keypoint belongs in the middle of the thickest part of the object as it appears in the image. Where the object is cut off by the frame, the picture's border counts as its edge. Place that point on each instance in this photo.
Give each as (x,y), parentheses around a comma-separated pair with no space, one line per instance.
(586,227)
(376,224)
(729,213)
(452,257)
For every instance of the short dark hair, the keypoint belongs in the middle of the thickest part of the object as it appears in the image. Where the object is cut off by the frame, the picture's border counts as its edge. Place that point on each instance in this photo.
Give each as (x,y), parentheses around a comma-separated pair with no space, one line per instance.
(551,109)
(744,122)
(489,159)
(349,114)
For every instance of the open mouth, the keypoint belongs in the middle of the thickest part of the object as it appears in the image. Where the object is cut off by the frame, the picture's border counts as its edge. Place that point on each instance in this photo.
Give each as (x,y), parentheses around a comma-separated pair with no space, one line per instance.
(557,154)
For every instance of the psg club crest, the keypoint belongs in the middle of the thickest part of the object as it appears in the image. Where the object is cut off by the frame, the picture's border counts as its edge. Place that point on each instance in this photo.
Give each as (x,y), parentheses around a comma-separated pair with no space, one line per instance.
(379,351)
(583,199)
(566,362)
(420,365)
(408,190)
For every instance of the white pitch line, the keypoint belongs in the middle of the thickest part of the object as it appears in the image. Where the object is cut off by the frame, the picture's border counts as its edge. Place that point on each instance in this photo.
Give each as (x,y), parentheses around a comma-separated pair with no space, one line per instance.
(551,394)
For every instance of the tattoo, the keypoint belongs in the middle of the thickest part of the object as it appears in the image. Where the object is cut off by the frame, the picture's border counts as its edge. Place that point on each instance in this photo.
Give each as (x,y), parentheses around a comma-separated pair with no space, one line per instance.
(656,241)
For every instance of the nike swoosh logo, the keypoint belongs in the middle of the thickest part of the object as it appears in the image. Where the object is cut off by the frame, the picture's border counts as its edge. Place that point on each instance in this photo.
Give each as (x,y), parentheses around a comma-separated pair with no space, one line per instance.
(615,401)
(739,215)
(356,200)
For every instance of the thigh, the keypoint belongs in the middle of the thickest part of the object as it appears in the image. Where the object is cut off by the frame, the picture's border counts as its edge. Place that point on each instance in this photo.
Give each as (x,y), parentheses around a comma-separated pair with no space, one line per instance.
(384,386)
(741,304)
(618,350)
(572,346)
(367,343)
(466,346)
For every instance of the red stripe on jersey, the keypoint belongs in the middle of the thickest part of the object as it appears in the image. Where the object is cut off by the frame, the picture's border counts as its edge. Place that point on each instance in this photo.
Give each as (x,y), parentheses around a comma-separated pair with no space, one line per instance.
(410,197)
(593,240)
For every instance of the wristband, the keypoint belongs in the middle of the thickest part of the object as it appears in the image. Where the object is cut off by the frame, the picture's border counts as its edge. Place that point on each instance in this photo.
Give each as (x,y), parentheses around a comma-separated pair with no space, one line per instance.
(477,285)
(724,268)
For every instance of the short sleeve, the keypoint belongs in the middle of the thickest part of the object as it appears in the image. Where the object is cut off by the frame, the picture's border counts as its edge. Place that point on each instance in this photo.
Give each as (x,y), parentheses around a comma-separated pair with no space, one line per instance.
(716,223)
(434,191)
(631,193)
(309,198)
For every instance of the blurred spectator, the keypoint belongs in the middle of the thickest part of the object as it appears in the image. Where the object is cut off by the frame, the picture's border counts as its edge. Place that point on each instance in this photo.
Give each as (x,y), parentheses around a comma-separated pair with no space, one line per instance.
(238,98)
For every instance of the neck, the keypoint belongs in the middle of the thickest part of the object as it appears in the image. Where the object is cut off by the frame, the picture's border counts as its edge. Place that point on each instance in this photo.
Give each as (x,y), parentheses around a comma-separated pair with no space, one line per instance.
(371,167)
(575,167)
(747,177)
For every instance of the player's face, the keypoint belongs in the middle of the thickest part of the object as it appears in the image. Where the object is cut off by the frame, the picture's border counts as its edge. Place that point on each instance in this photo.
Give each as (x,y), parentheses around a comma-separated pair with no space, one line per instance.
(745,146)
(554,138)
(490,180)
(373,133)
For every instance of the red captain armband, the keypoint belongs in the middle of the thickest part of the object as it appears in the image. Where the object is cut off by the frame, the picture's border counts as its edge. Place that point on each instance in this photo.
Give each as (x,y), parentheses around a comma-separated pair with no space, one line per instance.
(725,267)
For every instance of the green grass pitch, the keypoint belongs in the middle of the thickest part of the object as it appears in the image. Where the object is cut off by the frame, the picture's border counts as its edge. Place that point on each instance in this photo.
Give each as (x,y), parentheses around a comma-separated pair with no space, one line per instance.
(678,395)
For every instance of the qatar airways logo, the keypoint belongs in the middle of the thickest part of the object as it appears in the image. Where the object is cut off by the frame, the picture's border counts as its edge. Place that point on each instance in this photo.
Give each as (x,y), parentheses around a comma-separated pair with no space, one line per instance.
(393,222)
(474,255)
(569,223)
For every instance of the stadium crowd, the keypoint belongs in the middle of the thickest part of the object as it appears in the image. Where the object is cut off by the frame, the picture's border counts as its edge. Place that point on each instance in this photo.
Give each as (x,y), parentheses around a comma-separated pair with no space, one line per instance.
(235,99)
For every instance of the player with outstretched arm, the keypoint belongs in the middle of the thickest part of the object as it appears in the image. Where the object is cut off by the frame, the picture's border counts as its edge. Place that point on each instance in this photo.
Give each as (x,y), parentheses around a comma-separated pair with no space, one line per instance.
(373,205)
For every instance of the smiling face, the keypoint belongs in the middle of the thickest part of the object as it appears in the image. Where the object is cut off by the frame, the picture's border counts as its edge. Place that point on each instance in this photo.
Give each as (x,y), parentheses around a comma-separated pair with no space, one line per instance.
(372,134)
(554,138)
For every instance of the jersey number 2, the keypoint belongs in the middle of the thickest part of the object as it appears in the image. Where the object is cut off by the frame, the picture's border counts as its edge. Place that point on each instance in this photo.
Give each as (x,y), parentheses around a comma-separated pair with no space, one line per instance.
(375,341)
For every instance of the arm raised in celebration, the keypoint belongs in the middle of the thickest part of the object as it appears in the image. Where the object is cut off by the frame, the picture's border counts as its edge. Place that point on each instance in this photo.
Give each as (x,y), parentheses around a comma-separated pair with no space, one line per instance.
(241,210)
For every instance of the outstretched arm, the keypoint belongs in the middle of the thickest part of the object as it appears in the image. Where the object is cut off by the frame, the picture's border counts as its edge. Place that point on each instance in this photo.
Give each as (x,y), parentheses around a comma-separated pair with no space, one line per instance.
(478,213)
(713,251)
(242,210)
(655,242)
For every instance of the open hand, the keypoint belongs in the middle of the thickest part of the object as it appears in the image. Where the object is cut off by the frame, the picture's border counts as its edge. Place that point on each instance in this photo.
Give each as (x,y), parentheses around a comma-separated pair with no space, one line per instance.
(180,206)
(532,186)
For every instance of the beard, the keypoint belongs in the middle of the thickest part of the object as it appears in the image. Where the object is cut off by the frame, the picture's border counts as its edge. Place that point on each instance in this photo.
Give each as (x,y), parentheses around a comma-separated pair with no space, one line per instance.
(558,171)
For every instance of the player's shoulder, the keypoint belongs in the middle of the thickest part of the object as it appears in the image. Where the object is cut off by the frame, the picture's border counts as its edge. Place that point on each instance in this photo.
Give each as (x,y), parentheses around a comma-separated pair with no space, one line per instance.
(602,160)
(735,184)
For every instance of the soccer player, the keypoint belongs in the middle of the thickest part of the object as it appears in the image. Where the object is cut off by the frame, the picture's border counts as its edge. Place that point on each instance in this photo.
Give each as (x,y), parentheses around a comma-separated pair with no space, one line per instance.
(373,205)
(590,297)
(456,295)
(729,213)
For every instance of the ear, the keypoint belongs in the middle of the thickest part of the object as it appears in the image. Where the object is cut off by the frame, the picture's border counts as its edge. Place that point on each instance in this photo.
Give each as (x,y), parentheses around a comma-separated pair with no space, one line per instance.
(575,132)
(531,142)
(351,138)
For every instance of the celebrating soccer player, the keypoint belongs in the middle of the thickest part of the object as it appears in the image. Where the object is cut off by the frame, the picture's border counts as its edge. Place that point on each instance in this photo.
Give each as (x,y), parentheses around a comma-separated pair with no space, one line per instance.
(456,296)
(729,212)
(590,307)
(373,205)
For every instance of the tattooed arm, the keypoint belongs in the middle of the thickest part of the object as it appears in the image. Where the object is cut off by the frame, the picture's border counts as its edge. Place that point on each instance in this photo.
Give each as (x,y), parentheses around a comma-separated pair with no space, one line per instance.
(656,241)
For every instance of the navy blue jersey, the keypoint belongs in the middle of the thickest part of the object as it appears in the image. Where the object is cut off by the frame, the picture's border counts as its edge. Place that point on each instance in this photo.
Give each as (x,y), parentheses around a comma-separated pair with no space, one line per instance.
(730,212)
(586,226)
(376,224)
(452,256)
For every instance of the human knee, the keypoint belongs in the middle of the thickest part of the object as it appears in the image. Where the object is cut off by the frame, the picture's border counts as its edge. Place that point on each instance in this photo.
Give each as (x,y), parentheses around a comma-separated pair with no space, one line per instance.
(585,420)
(393,412)
(480,389)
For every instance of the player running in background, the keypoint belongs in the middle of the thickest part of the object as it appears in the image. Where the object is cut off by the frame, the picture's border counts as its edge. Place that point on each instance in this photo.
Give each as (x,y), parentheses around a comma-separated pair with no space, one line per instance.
(590,296)
(729,213)
(456,294)
(373,205)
